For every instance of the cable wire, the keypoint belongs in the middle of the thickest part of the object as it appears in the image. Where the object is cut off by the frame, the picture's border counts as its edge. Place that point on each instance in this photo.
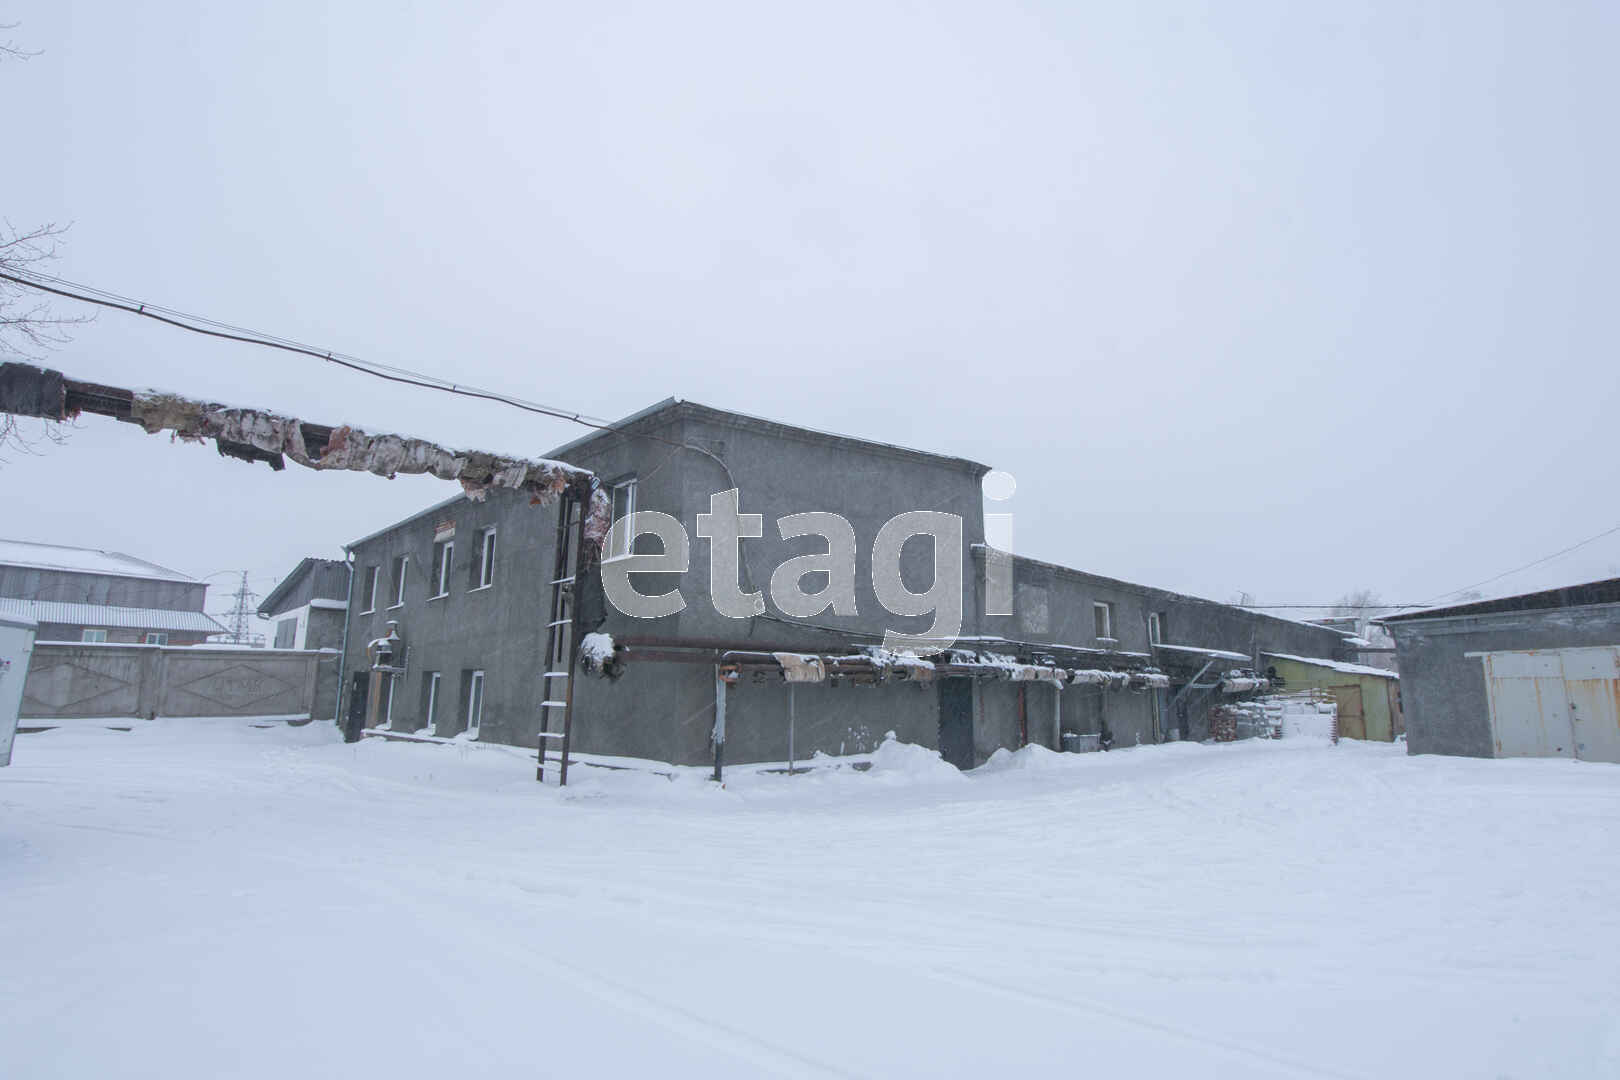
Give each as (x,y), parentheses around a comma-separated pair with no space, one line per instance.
(212,328)
(1528,565)
(199,324)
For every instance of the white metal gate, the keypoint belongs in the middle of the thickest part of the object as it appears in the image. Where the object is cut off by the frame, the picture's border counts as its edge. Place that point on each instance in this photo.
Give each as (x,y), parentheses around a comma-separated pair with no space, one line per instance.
(1592,681)
(1555,702)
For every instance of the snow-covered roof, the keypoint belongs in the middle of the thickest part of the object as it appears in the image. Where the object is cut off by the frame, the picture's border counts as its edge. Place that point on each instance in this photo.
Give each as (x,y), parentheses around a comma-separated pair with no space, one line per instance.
(1336,665)
(772,427)
(1196,650)
(99,615)
(84,561)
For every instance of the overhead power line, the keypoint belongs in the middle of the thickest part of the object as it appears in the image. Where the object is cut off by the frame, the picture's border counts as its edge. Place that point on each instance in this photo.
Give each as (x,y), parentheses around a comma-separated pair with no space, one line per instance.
(1442,596)
(1528,565)
(199,324)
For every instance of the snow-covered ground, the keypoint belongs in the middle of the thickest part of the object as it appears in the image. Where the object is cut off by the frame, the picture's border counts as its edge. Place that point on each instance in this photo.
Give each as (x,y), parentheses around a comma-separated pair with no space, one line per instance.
(210,898)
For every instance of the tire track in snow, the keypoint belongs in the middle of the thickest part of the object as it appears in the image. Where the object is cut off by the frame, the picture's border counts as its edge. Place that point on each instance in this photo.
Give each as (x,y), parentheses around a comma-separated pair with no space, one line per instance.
(1088,1008)
(679,1020)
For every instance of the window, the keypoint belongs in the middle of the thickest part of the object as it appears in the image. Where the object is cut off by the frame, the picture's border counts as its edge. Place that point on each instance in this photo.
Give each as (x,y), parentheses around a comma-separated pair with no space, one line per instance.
(431,705)
(400,562)
(157,637)
(286,632)
(483,564)
(475,702)
(624,504)
(1155,624)
(368,590)
(1103,616)
(93,635)
(444,553)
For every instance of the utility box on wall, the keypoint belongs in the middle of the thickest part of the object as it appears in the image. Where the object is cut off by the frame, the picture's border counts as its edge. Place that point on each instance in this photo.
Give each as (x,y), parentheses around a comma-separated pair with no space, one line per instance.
(16,646)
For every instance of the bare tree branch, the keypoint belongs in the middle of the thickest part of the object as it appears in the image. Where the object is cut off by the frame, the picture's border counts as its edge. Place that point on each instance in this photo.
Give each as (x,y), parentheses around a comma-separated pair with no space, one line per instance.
(10,50)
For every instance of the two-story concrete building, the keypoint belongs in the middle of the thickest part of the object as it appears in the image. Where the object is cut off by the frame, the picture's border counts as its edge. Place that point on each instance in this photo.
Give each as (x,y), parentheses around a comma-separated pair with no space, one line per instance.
(470,588)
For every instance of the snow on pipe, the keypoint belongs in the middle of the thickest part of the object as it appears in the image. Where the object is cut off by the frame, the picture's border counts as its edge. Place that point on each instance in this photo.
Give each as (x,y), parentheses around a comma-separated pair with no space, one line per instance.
(261,435)
(881,665)
(1239,684)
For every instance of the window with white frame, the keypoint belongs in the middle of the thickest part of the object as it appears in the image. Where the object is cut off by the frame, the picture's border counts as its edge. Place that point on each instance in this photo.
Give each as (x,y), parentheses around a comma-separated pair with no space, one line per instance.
(1103,618)
(157,637)
(624,504)
(368,590)
(483,568)
(400,562)
(475,702)
(286,633)
(1155,627)
(431,705)
(93,635)
(444,553)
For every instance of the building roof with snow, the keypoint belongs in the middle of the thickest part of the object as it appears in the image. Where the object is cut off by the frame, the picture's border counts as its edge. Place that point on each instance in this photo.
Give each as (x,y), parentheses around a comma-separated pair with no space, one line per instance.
(34,556)
(61,613)
(1606,591)
(1335,665)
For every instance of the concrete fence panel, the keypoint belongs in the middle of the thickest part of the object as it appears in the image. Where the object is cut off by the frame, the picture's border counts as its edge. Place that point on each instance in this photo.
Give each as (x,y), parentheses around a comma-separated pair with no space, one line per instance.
(69,680)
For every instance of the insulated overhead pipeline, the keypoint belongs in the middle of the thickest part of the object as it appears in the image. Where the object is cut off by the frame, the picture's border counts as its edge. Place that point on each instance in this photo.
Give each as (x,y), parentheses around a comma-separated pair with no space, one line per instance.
(868,665)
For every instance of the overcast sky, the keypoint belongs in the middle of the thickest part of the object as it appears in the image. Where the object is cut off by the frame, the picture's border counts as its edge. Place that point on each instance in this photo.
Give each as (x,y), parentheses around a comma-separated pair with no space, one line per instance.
(1290,299)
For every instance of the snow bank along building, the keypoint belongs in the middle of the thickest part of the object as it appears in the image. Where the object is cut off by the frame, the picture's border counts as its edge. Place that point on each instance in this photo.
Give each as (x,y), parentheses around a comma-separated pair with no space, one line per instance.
(1536,675)
(467,600)
(85,595)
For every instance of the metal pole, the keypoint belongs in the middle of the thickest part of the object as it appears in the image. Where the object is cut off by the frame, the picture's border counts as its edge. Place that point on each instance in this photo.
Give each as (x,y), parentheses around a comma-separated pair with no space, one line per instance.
(719,722)
(790,729)
(1057,716)
(1023,717)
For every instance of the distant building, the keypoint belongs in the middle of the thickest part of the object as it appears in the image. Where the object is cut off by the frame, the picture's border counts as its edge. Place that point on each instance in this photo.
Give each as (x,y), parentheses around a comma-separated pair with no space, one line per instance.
(85,595)
(1375,648)
(1536,675)
(308,605)
(1368,698)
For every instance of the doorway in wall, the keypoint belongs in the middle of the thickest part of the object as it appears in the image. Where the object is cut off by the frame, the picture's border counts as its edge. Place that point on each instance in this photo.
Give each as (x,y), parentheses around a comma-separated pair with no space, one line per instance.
(1352,719)
(956,722)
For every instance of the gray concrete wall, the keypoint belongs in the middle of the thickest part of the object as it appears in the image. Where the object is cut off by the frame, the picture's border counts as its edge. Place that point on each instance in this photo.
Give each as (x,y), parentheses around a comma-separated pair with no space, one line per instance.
(666,711)
(682,455)
(326,579)
(1054,605)
(67,680)
(110,590)
(499,630)
(1190,620)
(1443,691)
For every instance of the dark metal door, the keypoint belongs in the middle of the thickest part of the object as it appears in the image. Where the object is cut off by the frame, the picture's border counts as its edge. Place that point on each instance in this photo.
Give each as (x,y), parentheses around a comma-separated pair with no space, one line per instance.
(356,718)
(956,721)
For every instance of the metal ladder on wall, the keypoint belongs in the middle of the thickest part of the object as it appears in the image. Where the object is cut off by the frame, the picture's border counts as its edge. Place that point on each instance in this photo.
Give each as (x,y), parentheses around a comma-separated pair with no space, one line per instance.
(557,678)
